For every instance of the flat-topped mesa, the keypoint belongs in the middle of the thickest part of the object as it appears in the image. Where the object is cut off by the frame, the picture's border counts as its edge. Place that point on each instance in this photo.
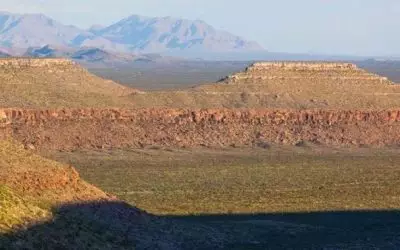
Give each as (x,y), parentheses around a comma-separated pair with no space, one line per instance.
(52,82)
(58,64)
(310,66)
(305,71)
(35,62)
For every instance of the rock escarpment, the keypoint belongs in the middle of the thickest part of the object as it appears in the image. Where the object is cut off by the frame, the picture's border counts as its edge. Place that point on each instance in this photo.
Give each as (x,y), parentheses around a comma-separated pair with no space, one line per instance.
(70,129)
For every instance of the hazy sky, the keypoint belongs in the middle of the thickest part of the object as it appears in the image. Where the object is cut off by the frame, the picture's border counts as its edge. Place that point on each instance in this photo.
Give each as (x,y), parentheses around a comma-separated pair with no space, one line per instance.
(357,27)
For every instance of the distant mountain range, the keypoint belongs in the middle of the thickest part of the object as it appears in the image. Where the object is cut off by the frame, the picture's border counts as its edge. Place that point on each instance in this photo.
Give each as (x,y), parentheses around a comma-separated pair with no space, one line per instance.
(95,57)
(131,40)
(135,34)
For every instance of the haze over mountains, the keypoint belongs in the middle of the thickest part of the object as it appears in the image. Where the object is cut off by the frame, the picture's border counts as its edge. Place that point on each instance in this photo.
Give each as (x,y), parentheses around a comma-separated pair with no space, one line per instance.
(134,34)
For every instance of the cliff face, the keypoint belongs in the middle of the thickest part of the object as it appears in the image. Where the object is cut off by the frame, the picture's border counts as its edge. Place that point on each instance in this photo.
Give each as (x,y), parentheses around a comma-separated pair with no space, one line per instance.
(116,128)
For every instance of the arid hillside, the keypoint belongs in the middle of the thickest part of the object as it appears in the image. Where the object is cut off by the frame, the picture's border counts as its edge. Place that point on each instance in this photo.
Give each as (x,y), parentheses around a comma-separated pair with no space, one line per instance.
(38,83)
(57,109)
(30,187)
(285,85)
(55,104)
(46,203)
(59,83)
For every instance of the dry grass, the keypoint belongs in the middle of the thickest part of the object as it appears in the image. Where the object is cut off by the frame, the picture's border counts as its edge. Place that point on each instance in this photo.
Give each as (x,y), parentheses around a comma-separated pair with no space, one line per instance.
(280,88)
(57,86)
(71,86)
(244,181)
(16,211)
(243,198)
(297,94)
(231,182)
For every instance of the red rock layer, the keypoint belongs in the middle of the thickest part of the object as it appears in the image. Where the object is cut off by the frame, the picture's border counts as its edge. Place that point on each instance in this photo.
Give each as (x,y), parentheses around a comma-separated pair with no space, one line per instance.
(70,129)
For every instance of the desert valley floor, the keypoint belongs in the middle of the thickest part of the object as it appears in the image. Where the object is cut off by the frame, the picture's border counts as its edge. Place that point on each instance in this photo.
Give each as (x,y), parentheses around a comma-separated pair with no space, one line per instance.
(278,156)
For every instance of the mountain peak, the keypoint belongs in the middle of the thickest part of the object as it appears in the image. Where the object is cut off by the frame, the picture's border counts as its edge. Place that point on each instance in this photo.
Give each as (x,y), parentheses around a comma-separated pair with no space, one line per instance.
(133,34)
(161,34)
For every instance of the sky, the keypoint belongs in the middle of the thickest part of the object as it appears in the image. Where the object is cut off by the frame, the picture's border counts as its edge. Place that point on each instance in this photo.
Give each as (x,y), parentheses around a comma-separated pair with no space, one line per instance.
(336,27)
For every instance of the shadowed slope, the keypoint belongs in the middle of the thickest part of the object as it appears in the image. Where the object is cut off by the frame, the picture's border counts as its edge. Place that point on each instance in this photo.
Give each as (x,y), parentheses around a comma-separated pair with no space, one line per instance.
(108,225)
(31,185)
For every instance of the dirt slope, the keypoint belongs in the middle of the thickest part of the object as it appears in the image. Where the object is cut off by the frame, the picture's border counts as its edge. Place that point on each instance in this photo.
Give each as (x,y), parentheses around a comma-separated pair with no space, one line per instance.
(38,83)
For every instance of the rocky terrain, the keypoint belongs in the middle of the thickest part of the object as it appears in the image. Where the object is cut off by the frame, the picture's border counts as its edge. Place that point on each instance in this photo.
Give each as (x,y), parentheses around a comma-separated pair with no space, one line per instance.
(55,104)
(70,129)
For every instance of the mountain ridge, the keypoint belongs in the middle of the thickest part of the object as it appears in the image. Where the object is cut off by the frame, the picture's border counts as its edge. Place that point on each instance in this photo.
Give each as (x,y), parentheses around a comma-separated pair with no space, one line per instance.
(133,34)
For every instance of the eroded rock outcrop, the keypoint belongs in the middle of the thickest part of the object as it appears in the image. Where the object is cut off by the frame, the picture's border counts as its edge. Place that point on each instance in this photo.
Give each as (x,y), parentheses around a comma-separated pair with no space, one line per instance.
(70,129)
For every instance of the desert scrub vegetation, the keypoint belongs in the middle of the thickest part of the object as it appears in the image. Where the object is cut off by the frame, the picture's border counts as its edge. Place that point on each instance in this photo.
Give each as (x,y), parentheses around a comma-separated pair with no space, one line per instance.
(205,181)
(16,211)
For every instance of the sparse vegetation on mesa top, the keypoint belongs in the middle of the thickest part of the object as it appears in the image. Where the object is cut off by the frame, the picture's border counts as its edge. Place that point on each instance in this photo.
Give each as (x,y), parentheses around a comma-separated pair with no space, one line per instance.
(303,86)
(52,83)
(55,85)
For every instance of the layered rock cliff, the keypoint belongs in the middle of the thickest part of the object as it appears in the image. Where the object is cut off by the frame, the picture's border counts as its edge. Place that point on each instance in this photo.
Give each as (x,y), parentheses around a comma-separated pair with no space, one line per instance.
(70,129)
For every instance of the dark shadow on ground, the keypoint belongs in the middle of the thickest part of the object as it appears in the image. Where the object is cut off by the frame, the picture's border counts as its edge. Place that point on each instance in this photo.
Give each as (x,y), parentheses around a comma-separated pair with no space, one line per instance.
(116,225)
